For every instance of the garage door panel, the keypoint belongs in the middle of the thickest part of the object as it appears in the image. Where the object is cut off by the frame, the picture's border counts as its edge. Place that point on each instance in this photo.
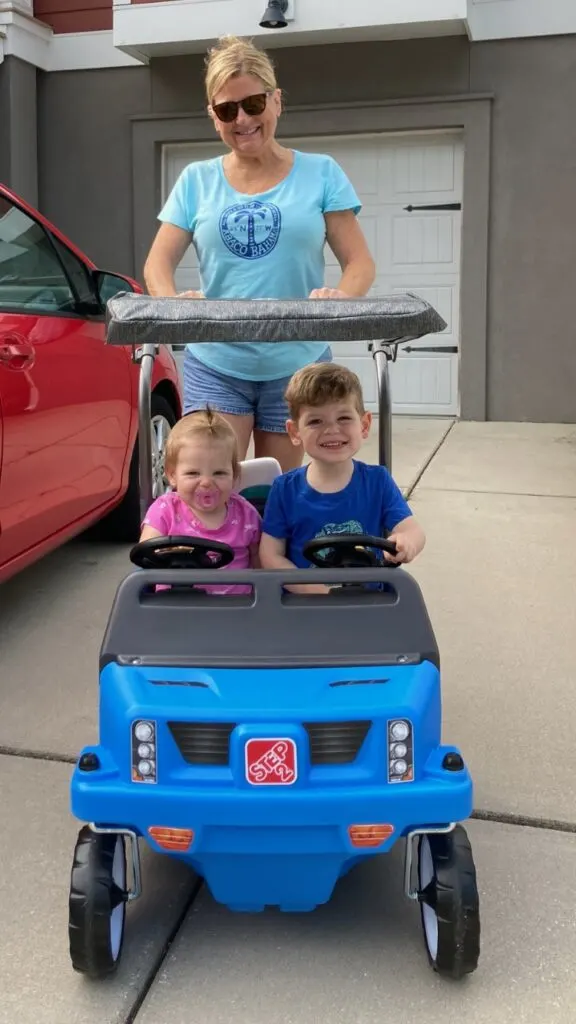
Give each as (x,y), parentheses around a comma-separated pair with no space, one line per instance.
(425,384)
(418,240)
(423,169)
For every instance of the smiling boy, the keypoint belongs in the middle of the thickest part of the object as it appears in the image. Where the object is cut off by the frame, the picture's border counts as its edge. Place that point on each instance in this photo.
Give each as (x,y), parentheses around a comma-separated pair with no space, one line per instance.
(335,493)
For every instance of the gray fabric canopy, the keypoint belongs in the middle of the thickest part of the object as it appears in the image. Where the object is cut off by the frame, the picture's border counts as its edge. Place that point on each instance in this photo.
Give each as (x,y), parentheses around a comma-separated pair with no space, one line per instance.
(134,319)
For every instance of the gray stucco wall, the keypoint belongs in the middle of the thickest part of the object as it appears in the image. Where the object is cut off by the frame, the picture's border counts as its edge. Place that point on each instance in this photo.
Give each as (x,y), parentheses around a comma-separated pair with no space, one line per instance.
(86,175)
(85,157)
(18,151)
(532,240)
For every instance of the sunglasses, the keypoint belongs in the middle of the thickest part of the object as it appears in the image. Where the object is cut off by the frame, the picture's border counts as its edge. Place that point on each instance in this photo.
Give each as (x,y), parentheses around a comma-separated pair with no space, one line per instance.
(251,105)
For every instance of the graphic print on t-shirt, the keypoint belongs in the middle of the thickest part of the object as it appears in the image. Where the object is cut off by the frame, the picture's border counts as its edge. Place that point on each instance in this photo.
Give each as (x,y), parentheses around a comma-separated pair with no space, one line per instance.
(334,529)
(251,230)
(330,529)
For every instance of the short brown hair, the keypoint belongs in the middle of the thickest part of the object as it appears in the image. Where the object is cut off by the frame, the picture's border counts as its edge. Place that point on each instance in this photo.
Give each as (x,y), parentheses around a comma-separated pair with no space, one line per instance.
(232,57)
(320,383)
(204,423)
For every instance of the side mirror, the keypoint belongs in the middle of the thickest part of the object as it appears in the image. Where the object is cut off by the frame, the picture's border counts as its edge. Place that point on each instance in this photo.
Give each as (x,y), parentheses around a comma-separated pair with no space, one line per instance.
(108,285)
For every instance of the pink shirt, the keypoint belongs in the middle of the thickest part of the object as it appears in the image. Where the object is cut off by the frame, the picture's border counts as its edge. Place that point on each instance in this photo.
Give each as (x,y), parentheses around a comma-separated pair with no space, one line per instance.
(242,527)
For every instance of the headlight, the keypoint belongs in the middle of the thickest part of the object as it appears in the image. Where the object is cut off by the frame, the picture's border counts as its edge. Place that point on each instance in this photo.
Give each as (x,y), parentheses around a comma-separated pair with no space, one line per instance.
(400,751)
(143,731)
(144,768)
(398,730)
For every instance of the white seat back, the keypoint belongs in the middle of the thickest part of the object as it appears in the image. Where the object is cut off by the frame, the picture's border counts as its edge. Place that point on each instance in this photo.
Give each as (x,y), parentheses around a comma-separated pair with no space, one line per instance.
(256,478)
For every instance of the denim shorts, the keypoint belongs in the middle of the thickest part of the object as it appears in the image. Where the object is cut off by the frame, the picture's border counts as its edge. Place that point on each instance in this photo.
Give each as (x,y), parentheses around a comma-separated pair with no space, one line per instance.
(262,399)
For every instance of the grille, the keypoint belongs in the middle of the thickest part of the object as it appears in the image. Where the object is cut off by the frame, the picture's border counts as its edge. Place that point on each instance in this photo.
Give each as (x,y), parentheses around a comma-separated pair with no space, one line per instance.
(209,742)
(203,742)
(335,742)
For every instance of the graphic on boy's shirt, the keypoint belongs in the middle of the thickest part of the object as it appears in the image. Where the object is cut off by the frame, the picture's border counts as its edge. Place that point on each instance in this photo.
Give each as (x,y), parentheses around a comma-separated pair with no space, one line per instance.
(250,230)
(333,529)
(329,529)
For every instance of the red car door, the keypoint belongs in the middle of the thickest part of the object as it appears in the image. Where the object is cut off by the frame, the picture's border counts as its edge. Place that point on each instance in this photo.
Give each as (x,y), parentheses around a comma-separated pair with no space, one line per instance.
(65,396)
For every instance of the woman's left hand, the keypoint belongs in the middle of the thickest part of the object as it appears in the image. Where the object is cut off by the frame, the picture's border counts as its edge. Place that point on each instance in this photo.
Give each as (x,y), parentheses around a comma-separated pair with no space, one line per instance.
(328,293)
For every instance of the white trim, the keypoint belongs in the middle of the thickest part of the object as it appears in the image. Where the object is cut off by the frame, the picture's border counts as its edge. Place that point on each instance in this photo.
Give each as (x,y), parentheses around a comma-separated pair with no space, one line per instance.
(72,51)
(517,19)
(26,38)
(33,41)
(189,26)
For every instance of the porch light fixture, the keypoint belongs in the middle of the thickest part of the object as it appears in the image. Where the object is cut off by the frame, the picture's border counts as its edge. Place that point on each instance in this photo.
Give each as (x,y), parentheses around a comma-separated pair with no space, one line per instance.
(273,16)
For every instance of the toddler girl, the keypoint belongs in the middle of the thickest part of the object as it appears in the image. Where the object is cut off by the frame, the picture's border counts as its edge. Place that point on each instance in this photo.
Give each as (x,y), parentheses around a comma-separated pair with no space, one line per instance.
(202,467)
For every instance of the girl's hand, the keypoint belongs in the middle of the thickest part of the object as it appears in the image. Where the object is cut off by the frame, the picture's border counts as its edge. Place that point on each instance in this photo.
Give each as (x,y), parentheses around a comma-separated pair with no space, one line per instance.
(328,293)
(189,295)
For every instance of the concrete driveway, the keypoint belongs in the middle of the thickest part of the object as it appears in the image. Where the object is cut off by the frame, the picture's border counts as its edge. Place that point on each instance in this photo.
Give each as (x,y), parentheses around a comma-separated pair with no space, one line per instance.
(498,502)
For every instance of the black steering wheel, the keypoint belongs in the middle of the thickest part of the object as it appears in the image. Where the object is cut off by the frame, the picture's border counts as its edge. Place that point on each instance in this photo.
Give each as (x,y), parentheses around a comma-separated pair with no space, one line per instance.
(348,551)
(181,553)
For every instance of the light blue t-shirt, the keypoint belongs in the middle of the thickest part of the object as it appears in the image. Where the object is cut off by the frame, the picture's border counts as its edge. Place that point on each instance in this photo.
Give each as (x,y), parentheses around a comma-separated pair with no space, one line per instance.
(264,246)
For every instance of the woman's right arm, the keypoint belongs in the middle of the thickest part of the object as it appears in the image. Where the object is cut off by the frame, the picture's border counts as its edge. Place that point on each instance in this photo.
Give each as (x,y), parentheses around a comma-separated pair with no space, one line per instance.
(165,254)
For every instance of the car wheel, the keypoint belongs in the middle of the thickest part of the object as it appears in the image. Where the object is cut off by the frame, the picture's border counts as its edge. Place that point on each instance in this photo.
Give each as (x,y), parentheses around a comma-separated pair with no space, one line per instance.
(97,903)
(123,524)
(449,902)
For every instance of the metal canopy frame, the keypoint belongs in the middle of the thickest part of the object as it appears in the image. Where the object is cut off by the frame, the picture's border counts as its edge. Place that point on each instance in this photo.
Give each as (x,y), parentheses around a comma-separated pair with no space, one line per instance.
(383,352)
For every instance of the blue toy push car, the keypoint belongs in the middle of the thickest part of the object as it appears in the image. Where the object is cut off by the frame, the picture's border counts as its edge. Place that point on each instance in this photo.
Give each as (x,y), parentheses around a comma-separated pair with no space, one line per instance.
(270,740)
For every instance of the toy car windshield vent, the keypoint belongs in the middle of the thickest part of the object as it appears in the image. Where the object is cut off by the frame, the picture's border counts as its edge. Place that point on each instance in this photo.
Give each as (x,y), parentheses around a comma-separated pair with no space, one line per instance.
(181,682)
(359,682)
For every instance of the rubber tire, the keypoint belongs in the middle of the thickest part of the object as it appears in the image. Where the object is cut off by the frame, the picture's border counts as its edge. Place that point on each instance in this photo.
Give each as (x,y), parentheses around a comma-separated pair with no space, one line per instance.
(93,897)
(453,895)
(123,526)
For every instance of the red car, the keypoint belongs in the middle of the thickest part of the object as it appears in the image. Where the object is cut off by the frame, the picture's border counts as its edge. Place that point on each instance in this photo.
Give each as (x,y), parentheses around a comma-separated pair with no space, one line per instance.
(68,401)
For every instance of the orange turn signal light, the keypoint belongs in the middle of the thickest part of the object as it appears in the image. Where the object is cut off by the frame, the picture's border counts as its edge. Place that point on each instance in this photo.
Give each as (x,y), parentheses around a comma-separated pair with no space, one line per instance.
(369,835)
(179,839)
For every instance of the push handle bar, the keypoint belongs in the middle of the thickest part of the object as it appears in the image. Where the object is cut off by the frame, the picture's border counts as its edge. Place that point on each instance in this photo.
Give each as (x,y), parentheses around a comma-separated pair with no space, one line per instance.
(140,319)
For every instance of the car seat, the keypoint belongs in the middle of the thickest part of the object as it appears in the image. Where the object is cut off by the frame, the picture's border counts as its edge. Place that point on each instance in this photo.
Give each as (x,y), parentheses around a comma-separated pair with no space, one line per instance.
(256,479)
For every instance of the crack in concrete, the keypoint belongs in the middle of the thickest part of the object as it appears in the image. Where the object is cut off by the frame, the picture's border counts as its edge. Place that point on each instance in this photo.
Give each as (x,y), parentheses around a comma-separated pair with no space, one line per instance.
(412,487)
(156,966)
(524,821)
(36,755)
(503,494)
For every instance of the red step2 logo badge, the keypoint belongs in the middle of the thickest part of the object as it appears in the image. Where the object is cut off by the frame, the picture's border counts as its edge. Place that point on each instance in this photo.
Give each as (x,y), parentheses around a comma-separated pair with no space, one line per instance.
(271,762)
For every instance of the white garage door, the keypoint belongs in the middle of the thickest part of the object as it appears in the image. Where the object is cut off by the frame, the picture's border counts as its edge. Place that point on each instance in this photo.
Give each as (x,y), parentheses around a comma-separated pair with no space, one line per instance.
(411,190)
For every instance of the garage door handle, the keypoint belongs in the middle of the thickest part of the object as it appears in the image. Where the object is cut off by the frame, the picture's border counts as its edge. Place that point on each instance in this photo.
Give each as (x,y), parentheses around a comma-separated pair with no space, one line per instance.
(435,206)
(16,355)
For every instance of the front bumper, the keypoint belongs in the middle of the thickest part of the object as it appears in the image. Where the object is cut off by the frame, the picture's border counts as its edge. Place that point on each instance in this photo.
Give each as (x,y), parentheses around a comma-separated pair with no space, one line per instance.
(277,845)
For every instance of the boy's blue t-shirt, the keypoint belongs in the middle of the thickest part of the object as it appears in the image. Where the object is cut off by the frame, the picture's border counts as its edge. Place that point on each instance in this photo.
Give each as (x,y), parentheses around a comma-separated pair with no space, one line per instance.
(264,246)
(371,503)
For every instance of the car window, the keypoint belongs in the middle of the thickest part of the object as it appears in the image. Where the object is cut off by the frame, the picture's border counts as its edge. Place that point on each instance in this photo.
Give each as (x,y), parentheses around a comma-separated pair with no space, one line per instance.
(77,272)
(31,276)
(110,285)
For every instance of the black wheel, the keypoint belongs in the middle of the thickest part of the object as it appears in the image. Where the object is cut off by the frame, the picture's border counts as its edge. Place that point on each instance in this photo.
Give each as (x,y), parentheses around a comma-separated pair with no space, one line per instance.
(97,904)
(123,524)
(449,902)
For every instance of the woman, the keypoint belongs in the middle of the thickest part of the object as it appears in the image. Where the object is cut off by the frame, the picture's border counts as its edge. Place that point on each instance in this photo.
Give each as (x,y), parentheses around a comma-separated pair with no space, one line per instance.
(258,218)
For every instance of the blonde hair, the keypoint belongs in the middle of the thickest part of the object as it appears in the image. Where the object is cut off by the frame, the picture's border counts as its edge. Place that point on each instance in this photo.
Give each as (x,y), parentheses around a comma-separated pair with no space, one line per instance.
(232,57)
(204,424)
(321,383)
